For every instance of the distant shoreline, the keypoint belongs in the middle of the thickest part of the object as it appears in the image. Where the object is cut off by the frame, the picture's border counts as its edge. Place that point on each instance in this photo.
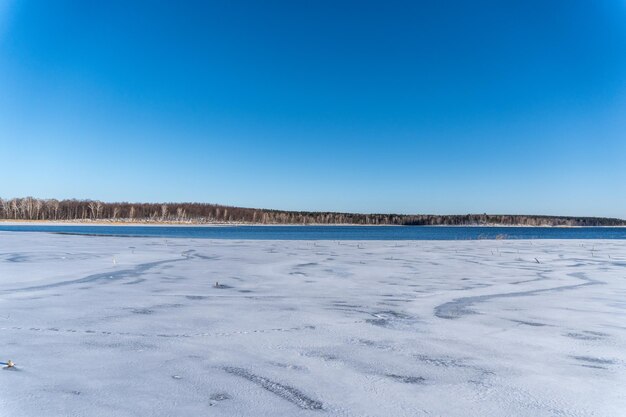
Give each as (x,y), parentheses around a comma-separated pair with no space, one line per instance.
(30,209)
(4,222)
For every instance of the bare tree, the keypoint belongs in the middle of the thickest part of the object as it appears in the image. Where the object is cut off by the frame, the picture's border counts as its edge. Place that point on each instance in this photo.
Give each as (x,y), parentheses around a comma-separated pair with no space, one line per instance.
(98,209)
(92,209)
(6,208)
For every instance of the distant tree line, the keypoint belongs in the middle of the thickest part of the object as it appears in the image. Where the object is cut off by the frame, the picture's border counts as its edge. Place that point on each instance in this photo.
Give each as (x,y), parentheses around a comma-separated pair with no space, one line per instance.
(30,208)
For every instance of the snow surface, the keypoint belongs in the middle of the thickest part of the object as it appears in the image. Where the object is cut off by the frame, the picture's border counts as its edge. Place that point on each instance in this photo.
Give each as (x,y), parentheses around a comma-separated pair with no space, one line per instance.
(115,326)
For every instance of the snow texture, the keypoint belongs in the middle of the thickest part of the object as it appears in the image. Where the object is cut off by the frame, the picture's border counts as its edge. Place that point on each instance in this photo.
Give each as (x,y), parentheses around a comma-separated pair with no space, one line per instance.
(115,326)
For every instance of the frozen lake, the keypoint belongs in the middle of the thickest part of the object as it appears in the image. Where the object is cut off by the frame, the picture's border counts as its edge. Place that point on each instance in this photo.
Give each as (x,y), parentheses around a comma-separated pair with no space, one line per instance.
(127,326)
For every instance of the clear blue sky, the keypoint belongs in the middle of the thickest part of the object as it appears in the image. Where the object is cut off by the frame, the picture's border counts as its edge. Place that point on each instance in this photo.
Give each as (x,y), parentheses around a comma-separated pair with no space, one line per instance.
(409,107)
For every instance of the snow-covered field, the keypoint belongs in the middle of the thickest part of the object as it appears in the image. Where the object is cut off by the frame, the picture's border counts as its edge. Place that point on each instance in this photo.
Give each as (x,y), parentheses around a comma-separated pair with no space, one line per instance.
(113,326)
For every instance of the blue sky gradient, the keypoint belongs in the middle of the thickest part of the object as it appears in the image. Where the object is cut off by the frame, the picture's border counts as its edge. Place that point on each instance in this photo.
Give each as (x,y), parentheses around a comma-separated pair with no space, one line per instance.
(407,107)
